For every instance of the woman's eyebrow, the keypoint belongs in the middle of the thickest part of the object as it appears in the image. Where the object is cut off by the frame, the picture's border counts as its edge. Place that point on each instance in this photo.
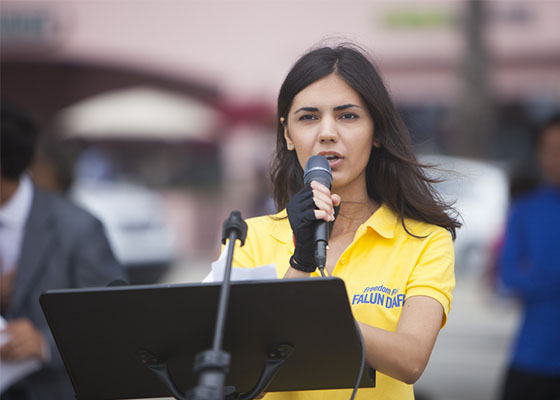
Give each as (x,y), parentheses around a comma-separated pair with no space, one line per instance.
(308,109)
(345,106)
(337,108)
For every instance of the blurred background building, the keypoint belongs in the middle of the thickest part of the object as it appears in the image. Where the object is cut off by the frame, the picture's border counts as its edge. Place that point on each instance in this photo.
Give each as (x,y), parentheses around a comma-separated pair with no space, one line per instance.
(159,117)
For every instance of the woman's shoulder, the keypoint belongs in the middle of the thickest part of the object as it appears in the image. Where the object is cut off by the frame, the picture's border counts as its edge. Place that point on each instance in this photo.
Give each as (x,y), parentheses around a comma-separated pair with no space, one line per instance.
(275,226)
(269,223)
(268,219)
(387,218)
(424,230)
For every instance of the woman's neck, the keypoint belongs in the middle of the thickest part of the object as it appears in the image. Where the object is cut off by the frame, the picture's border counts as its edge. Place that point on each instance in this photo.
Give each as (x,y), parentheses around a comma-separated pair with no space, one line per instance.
(354,213)
(355,208)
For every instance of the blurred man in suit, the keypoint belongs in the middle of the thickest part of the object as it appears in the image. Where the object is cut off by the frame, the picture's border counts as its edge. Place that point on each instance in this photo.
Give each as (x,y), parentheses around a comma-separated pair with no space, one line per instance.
(46,243)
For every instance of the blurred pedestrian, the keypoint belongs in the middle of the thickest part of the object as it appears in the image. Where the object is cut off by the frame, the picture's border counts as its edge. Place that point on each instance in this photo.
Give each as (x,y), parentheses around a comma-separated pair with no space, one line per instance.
(530,268)
(46,243)
(392,241)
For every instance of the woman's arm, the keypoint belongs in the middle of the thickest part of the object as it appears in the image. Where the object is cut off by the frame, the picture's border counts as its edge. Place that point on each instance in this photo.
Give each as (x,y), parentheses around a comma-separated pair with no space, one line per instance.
(404,354)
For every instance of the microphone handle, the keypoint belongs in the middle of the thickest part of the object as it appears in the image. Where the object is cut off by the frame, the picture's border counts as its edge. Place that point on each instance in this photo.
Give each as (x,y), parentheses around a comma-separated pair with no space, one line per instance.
(321,237)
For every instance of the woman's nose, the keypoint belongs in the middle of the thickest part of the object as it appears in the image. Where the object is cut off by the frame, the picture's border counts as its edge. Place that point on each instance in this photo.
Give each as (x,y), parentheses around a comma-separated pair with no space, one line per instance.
(328,131)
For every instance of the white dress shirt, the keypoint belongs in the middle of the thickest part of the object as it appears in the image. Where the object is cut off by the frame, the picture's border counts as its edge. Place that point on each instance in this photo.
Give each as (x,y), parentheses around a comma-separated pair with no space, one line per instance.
(13,216)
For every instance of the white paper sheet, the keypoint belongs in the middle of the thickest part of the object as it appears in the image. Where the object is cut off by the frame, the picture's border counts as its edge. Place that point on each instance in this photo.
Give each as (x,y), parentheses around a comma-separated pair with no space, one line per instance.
(239,274)
(13,371)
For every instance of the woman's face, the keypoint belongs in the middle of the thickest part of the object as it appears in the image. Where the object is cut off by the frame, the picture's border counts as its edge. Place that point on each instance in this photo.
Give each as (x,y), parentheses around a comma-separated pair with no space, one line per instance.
(329,118)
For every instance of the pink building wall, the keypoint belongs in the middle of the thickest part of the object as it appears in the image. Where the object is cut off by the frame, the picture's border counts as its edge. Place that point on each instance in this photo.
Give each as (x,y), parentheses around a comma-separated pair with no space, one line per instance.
(246,47)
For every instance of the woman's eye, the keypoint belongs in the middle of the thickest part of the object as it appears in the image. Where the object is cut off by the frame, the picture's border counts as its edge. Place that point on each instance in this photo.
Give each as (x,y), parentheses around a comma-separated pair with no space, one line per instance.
(307,117)
(349,116)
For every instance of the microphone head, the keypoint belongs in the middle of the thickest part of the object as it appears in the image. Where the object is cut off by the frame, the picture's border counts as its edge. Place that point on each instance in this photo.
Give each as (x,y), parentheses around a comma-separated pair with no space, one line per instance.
(318,169)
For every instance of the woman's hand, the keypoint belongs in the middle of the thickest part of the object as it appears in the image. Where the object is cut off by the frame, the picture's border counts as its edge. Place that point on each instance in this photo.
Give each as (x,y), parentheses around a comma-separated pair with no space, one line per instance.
(313,202)
(325,203)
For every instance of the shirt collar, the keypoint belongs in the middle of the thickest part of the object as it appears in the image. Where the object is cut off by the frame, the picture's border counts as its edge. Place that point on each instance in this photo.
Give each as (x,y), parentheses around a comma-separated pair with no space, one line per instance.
(383,221)
(15,211)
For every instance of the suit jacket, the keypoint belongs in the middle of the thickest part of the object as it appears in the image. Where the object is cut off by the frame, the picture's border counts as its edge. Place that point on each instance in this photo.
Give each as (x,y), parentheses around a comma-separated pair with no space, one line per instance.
(63,247)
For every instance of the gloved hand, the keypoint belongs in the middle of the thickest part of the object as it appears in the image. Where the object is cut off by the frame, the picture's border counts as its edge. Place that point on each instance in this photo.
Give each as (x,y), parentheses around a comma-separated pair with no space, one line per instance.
(302,217)
(301,214)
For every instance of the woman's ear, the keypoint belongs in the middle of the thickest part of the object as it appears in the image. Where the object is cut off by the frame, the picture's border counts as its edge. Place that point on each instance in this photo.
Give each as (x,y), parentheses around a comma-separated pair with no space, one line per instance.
(289,143)
(376,142)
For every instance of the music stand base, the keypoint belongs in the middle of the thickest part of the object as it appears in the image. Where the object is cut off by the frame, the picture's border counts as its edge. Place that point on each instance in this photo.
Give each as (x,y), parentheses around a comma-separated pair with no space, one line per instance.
(275,359)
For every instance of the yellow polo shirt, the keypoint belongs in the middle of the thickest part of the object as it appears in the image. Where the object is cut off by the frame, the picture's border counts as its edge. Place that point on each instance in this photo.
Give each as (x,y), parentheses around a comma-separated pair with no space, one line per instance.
(381,268)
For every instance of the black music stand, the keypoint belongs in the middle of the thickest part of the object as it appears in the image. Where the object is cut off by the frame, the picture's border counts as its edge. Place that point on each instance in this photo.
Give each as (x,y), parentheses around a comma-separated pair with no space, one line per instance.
(109,337)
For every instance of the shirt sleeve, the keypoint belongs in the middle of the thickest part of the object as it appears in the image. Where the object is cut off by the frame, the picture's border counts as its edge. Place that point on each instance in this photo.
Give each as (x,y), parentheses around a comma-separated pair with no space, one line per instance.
(243,256)
(433,275)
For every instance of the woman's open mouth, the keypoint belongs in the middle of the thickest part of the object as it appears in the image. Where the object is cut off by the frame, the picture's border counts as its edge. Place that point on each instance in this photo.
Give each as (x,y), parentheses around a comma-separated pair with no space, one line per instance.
(333,158)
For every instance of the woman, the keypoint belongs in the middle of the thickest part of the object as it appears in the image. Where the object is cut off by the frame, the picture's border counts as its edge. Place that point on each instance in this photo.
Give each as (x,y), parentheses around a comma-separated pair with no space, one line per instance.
(392,233)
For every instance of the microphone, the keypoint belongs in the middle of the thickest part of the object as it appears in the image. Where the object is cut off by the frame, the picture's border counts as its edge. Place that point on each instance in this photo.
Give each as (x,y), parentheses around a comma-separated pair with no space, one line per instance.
(318,169)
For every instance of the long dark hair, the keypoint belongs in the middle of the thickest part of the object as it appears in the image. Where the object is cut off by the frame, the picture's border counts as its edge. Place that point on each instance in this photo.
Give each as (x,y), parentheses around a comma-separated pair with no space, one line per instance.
(393,175)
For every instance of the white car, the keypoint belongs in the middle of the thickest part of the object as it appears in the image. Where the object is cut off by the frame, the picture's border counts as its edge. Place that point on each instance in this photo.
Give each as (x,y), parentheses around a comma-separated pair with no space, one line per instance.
(480,193)
(134,223)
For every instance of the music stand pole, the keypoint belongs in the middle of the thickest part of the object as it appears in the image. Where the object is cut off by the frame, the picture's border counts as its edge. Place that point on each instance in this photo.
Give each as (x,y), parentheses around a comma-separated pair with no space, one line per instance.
(212,365)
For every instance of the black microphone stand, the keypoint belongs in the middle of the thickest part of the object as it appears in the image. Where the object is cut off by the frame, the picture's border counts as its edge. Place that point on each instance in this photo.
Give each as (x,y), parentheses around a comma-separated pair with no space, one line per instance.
(213,365)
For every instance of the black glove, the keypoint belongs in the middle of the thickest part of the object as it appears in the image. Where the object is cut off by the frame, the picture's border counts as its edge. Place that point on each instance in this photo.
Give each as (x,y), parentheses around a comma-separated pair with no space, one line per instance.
(302,220)
(302,217)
